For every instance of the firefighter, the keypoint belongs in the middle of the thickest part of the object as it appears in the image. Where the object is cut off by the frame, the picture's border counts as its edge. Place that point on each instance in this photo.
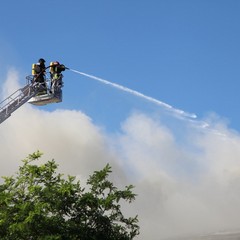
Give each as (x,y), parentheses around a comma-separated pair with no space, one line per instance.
(56,70)
(38,71)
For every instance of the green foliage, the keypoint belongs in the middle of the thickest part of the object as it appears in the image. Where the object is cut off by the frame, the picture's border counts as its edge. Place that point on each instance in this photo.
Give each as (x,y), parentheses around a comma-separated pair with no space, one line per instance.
(39,203)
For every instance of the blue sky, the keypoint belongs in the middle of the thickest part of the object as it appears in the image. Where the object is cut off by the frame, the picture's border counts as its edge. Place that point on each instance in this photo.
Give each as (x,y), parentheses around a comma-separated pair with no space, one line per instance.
(185,53)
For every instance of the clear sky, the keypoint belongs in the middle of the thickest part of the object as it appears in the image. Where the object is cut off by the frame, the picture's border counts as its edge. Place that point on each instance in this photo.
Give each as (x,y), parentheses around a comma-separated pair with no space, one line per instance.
(183,53)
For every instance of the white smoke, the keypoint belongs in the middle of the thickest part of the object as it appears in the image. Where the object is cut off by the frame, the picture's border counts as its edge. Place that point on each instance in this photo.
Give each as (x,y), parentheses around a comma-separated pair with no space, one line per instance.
(183,189)
(11,84)
(187,181)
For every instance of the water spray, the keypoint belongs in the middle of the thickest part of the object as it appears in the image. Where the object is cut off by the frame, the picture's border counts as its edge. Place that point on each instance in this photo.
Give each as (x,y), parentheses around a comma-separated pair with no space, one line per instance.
(138,94)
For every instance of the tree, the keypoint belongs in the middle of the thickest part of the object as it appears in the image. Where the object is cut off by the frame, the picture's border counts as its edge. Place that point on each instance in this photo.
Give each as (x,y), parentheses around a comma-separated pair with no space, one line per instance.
(39,203)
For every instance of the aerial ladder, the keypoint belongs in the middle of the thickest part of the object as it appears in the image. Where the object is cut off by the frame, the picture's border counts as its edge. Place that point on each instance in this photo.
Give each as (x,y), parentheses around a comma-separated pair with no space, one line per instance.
(31,93)
(16,100)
